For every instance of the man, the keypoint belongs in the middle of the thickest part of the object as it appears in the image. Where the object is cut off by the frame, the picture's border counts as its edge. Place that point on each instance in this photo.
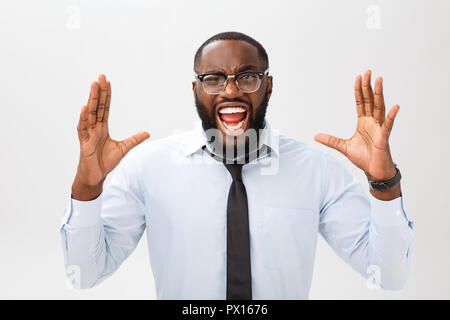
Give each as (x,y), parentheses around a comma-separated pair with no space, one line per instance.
(224,222)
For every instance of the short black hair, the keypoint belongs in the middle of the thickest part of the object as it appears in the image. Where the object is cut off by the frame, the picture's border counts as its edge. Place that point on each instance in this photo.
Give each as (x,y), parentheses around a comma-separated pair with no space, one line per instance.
(233,35)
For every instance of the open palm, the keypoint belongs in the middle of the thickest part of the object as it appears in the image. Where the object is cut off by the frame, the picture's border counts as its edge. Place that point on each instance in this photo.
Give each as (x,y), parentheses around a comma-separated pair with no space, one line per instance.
(368,148)
(99,154)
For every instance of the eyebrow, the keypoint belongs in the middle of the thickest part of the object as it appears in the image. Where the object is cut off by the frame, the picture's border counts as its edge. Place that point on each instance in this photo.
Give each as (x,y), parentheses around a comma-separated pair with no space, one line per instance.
(242,68)
(246,67)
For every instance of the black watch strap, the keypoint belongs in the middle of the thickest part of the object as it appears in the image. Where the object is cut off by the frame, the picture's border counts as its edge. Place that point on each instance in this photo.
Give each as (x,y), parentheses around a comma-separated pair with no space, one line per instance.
(385,185)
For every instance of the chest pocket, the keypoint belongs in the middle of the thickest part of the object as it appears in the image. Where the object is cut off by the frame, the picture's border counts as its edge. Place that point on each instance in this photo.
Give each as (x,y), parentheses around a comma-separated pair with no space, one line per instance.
(286,234)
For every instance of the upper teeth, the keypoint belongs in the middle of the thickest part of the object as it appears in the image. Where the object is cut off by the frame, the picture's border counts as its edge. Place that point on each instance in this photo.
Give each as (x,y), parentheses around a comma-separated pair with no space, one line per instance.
(232,110)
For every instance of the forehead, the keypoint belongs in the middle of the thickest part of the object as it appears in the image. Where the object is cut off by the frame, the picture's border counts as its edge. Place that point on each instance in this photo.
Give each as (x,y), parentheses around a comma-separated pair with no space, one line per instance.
(228,55)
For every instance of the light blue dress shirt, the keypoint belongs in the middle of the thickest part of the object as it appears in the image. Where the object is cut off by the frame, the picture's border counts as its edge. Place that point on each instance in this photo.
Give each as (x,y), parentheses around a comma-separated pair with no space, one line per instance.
(179,193)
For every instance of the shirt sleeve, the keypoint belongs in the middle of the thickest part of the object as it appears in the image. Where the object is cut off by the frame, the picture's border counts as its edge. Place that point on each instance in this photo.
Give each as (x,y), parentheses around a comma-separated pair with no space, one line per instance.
(98,235)
(373,236)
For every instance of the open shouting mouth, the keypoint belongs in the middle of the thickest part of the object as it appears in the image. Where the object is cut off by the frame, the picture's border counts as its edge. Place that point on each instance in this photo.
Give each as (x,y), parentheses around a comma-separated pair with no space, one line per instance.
(233,117)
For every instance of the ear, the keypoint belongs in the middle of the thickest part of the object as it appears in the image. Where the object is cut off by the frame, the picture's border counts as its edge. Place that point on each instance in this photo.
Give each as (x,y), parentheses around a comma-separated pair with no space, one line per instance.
(269,85)
(194,86)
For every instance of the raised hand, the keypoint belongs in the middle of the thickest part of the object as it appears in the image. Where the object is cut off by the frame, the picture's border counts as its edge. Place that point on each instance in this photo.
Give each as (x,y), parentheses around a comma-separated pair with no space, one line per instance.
(368,148)
(99,154)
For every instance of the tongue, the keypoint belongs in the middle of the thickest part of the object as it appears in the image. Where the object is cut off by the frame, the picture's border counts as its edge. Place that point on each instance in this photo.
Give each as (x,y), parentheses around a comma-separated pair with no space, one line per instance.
(232,117)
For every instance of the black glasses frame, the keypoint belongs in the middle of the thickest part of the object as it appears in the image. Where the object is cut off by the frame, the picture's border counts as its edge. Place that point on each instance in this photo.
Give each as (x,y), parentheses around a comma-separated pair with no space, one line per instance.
(259,73)
(260,76)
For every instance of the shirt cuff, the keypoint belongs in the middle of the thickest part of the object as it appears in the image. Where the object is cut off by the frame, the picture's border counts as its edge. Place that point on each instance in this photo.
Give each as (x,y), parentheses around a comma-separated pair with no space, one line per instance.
(388,213)
(85,213)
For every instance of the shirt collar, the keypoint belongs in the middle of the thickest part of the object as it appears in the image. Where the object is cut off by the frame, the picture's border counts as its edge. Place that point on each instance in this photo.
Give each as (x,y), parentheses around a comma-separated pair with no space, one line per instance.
(269,137)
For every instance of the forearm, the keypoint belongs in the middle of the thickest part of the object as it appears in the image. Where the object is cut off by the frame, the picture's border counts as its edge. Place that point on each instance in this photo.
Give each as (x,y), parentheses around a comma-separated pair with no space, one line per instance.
(390,241)
(83,240)
(83,255)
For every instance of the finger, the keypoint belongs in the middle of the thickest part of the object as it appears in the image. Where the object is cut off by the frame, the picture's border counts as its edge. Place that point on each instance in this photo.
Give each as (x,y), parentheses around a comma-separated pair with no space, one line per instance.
(108,102)
(102,97)
(133,141)
(332,142)
(379,108)
(359,98)
(82,127)
(388,123)
(92,105)
(368,93)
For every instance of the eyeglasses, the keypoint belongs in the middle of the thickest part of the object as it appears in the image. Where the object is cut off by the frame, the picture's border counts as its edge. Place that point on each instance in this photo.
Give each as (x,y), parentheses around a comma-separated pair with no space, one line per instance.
(246,81)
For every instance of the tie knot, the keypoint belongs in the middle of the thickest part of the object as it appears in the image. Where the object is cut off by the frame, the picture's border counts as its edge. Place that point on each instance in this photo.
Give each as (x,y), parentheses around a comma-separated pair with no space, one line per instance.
(235,171)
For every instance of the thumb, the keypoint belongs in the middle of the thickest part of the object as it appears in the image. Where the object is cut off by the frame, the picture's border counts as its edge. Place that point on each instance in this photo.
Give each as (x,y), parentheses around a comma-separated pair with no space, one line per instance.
(134,140)
(331,141)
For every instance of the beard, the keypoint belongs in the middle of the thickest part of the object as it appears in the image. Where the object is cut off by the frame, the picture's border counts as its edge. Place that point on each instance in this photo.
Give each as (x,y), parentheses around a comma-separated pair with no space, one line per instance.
(208,118)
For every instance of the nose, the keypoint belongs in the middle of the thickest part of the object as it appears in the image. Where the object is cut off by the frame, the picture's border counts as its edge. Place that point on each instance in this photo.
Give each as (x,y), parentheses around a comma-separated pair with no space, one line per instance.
(231,89)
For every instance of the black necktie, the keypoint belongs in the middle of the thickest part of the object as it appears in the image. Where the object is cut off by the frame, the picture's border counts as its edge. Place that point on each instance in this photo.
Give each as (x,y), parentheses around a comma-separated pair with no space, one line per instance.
(239,279)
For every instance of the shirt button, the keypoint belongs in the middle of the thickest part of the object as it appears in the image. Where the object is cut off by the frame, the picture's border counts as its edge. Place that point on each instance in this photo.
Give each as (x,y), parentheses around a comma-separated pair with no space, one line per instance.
(76,213)
(398,213)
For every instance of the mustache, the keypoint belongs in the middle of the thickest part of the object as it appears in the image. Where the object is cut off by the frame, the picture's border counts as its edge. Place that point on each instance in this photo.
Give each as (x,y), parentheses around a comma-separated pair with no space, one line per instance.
(233,100)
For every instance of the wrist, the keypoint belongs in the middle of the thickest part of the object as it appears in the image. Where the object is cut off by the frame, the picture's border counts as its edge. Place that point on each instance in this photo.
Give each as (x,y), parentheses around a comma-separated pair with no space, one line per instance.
(84,192)
(383,175)
(389,194)
(386,189)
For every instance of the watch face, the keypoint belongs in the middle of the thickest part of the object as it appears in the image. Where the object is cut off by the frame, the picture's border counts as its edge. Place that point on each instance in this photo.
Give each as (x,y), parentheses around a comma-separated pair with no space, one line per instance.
(385,185)
(379,186)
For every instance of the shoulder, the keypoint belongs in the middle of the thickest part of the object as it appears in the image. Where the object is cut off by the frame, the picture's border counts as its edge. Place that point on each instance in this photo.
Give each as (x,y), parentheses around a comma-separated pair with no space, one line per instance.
(299,153)
(316,163)
(162,149)
(292,148)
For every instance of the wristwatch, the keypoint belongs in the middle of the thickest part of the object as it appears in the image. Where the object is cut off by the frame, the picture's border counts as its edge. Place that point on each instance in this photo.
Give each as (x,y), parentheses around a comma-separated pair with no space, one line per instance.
(385,185)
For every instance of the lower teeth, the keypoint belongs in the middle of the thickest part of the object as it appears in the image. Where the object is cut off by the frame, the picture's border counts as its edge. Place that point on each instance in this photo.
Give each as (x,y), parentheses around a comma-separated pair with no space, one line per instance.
(235,127)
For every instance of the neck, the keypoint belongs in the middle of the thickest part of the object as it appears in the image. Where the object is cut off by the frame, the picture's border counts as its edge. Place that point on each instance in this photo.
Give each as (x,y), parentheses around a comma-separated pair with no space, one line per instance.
(235,151)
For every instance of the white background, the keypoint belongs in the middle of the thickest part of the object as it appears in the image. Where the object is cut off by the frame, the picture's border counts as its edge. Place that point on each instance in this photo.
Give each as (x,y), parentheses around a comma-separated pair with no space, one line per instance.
(50,52)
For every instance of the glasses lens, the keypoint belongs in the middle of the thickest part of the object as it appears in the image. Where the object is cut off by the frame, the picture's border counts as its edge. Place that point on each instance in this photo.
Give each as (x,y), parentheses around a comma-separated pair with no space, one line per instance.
(213,83)
(248,82)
